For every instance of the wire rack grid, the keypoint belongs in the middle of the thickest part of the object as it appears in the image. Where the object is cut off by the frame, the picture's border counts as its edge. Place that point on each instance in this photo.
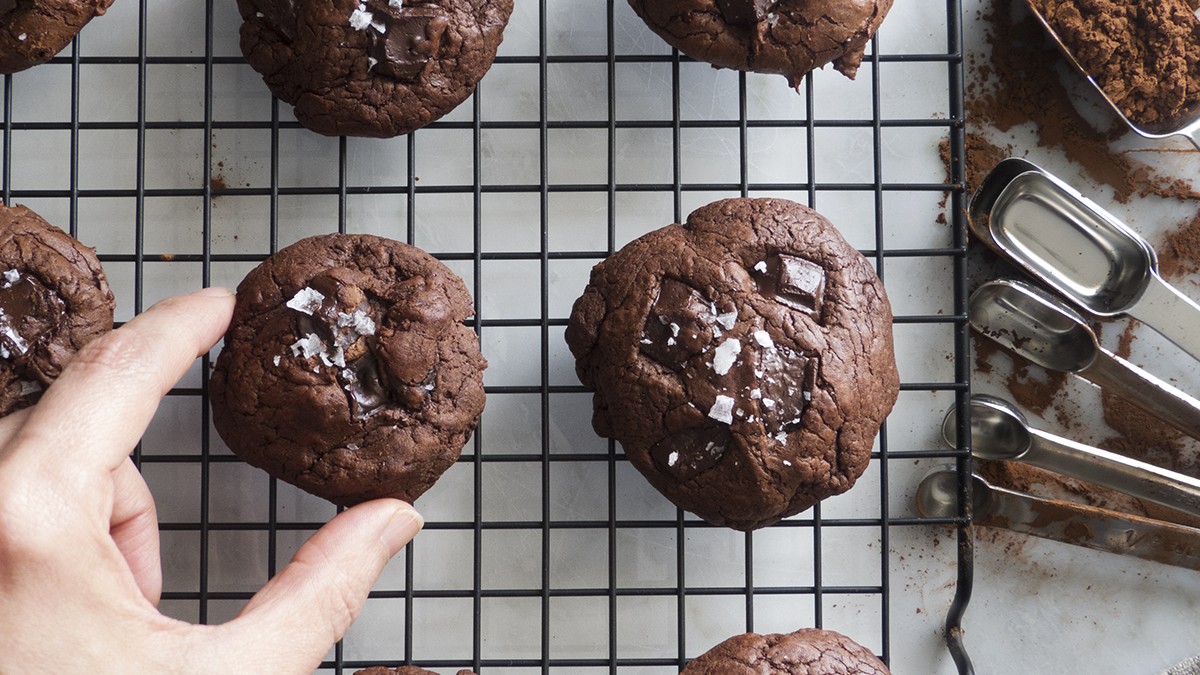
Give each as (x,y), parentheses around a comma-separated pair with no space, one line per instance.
(544,551)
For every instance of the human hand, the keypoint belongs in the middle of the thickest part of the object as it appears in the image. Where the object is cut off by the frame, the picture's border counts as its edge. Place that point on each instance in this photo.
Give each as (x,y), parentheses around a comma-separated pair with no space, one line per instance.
(79,558)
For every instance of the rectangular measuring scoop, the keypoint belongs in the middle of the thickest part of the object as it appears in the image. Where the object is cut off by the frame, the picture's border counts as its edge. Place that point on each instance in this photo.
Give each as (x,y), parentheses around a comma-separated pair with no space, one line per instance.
(1083,252)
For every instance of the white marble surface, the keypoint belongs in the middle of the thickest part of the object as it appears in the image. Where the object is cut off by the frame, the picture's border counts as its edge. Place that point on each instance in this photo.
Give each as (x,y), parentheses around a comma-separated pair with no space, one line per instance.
(1047,608)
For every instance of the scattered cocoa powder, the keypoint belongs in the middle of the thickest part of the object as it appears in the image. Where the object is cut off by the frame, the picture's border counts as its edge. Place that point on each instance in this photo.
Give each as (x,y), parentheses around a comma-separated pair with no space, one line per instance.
(1179,253)
(1144,55)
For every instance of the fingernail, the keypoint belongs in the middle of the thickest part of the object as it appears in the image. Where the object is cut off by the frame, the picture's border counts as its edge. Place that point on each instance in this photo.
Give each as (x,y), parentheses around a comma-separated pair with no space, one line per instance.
(403,526)
(214,292)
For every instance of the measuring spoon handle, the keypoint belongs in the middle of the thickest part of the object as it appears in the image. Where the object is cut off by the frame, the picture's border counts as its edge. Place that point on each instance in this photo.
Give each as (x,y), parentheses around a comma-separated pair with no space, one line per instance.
(1087,526)
(1171,313)
(1133,477)
(1145,391)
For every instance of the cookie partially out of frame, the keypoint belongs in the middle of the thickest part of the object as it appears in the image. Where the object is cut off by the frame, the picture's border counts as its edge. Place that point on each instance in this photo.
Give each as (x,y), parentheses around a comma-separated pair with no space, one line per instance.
(347,370)
(54,299)
(805,652)
(743,360)
(788,37)
(372,67)
(402,670)
(33,31)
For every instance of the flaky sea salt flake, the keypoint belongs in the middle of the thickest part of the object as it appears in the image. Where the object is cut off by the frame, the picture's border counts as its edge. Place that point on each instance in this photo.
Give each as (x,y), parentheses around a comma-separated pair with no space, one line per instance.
(308,346)
(763,338)
(761,266)
(722,409)
(361,18)
(307,300)
(725,355)
(728,319)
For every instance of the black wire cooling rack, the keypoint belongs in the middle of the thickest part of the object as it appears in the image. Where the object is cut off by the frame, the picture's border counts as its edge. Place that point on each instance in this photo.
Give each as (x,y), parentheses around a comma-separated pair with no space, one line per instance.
(568,623)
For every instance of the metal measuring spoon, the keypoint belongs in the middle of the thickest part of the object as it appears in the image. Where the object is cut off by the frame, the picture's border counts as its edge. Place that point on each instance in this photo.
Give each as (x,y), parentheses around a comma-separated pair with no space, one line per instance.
(1187,126)
(1045,331)
(1091,527)
(1000,432)
(1080,250)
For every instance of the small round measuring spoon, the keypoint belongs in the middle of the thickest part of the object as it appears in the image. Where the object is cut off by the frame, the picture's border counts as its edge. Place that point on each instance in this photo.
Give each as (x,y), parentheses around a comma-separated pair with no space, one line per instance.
(1044,330)
(1000,432)
(1092,259)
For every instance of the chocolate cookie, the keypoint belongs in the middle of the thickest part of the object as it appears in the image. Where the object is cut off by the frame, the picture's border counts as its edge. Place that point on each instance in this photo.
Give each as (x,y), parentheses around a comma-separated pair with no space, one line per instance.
(743,360)
(402,670)
(806,652)
(347,370)
(33,31)
(54,299)
(372,67)
(789,37)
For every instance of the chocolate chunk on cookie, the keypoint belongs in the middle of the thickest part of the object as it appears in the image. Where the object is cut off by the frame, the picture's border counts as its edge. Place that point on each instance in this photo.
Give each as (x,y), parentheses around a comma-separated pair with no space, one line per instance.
(743,360)
(788,37)
(347,370)
(33,31)
(402,670)
(54,299)
(372,67)
(806,652)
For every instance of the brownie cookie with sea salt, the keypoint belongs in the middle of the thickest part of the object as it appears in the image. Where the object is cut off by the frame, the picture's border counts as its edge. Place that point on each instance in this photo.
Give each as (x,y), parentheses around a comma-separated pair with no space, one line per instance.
(54,299)
(805,652)
(743,360)
(347,370)
(789,37)
(403,670)
(33,31)
(372,67)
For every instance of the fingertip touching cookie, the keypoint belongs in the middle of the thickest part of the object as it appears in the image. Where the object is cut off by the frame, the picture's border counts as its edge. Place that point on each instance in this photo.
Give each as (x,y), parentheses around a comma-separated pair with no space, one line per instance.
(347,370)
(743,360)
(54,299)
(372,67)
(33,31)
(788,37)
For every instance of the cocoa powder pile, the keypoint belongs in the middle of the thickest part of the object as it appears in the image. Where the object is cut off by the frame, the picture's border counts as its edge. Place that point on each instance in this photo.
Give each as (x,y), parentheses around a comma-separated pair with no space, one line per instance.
(1020,84)
(1144,55)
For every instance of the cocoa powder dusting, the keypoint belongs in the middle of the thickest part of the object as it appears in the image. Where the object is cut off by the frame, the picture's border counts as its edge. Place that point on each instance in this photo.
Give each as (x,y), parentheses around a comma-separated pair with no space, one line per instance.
(1144,55)
(1179,253)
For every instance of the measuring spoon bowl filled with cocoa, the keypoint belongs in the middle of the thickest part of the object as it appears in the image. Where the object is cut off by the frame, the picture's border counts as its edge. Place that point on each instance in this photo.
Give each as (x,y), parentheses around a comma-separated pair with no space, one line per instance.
(1145,79)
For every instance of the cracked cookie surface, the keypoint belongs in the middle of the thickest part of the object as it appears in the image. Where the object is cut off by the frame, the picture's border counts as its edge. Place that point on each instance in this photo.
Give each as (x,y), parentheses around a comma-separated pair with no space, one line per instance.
(743,360)
(805,652)
(54,299)
(402,670)
(33,31)
(788,37)
(347,370)
(372,67)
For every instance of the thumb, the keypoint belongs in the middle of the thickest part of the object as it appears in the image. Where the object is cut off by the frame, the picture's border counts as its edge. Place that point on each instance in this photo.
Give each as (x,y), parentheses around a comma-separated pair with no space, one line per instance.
(291,623)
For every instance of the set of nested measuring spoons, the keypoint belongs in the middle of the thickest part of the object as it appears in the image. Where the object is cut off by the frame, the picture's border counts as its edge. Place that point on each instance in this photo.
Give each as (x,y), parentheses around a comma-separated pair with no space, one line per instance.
(1099,268)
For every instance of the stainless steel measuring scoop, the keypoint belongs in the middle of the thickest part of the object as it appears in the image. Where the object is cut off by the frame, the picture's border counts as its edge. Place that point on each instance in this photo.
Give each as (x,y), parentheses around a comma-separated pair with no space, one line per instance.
(1045,331)
(1091,527)
(999,432)
(1080,250)
(1187,126)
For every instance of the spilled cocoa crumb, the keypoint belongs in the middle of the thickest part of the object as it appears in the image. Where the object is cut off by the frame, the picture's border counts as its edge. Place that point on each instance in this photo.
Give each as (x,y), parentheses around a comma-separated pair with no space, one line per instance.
(1179,254)
(218,182)
(1144,55)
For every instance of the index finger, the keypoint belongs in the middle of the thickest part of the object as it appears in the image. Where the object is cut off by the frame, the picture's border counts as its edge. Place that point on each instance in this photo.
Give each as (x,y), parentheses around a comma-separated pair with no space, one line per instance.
(96,411)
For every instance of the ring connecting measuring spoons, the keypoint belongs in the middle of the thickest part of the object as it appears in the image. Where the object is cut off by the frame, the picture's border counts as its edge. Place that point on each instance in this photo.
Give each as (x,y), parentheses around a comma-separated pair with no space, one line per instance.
(999,432)
(1044,330)
(1187,125)
(1095,528)
(1080,250)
